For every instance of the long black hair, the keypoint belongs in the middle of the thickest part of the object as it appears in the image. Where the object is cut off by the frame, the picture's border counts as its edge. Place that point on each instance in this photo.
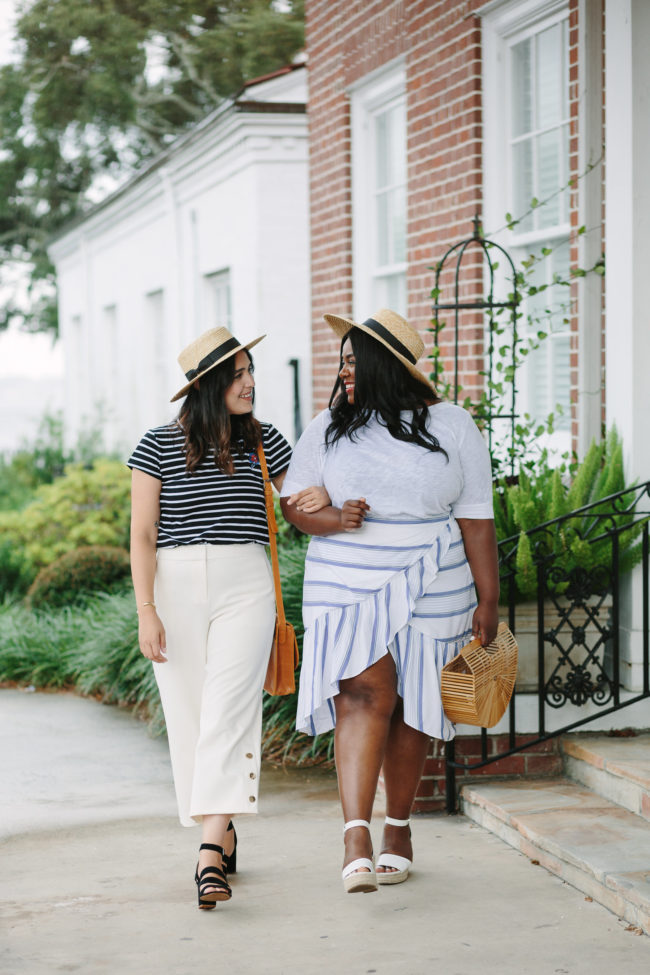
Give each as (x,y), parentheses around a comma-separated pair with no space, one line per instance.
(384,387)
(207,424)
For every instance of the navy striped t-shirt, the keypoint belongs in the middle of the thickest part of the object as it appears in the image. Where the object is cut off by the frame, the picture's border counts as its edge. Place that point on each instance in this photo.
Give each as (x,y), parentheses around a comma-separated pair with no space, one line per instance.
(209,506)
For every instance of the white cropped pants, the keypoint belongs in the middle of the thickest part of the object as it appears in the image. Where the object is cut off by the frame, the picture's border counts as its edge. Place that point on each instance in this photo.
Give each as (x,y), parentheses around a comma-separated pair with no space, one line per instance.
(217,605)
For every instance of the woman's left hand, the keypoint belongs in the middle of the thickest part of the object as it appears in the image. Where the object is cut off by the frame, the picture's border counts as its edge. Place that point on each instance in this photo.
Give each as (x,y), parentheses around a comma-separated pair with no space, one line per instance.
(485,622)
(310,499)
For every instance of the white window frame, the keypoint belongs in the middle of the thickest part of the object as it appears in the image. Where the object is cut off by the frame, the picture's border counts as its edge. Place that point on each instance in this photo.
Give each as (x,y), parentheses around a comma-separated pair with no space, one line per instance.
(506,22)
(156,337)
(376,92)
(110,330)
(217,295)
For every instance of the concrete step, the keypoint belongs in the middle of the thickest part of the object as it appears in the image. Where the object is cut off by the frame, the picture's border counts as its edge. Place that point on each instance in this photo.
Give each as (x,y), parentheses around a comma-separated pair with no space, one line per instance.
(586,840)
(616,768)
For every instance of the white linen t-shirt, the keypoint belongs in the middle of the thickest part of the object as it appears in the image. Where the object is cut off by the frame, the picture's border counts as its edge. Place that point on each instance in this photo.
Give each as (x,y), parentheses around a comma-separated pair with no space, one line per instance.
(399,479)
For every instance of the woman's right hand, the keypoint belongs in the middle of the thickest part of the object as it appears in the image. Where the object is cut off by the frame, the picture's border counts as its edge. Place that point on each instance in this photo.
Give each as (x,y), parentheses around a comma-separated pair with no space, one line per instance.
(352,514)
(310,499)
(151,636)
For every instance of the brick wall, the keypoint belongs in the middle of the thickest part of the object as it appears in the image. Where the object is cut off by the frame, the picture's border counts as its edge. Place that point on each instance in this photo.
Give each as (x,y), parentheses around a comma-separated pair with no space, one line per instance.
(441,42)
(538,760)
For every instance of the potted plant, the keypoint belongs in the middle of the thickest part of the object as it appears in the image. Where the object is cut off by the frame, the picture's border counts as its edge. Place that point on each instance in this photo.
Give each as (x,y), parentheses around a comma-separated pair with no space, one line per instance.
(551,518)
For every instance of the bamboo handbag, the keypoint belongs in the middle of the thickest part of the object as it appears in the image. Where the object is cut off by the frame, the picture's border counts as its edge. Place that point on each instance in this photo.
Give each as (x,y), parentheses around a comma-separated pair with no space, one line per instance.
(281,671)
(476,686)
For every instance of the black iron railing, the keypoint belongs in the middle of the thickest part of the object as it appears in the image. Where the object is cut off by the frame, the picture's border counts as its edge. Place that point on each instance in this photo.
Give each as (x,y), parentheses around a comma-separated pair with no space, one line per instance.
(573,566)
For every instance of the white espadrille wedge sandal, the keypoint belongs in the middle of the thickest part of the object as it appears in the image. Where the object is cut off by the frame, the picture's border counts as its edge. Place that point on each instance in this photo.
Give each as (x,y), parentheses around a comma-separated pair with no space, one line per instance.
(400,866)
(359,876)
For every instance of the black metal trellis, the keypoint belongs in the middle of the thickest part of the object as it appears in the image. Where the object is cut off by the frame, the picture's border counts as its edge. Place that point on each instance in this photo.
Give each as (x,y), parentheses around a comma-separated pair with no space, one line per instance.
(490,308)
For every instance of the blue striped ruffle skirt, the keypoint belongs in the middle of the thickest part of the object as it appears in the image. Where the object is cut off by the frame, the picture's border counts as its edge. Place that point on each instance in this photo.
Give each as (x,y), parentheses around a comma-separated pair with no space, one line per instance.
(403,588)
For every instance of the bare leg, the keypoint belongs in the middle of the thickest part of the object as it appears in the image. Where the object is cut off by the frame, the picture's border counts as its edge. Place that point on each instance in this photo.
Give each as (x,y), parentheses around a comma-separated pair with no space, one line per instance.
(214,831)
(406,752)
(364,706)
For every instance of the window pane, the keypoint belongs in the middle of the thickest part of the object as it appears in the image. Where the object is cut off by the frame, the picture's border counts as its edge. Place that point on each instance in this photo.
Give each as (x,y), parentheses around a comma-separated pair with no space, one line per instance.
(537,385)
(397,172)
(218,300)
(522,176)
(522,120)
(551,98)
(390,146)
(549,177)
(561,378)
(390,292)
(382,235)
(560,302)
(564,199)
(398,225)
(382,139)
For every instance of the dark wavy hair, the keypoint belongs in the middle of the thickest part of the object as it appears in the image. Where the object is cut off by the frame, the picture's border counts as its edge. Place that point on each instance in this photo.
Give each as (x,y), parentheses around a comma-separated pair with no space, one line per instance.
(384,387)
(207,424)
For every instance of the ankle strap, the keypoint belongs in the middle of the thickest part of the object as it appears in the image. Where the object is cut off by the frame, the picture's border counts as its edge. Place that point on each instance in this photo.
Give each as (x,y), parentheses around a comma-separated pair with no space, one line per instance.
(355,822)
(211,846)
(397,822)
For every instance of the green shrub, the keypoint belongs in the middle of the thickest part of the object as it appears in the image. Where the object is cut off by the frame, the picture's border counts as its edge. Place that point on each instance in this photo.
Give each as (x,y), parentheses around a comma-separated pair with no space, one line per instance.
(546,493)
(84,507)
(15,571)
(95,568)
(43,459)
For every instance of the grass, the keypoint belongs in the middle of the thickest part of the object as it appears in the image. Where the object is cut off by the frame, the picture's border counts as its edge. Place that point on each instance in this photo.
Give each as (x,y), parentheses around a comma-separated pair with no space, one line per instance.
(91,647)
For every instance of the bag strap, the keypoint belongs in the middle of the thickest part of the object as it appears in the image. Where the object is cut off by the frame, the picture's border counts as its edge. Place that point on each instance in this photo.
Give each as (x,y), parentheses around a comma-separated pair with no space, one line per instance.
(273,531)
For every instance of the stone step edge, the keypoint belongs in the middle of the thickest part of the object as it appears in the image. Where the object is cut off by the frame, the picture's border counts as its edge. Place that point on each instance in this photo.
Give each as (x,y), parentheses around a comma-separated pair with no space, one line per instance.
(621,790)
(583,753)
(613,893)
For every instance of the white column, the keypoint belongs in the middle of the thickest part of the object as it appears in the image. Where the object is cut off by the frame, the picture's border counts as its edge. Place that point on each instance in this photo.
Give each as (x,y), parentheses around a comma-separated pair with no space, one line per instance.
(628,228)
(627,283)
(590,136)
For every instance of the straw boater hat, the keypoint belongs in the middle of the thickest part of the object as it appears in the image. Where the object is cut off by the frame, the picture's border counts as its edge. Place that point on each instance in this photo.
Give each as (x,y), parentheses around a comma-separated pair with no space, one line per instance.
(393,331)
(206,352)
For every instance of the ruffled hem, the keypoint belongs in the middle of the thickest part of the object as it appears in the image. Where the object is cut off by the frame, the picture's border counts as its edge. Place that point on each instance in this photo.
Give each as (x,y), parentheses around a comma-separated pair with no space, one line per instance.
(343,641)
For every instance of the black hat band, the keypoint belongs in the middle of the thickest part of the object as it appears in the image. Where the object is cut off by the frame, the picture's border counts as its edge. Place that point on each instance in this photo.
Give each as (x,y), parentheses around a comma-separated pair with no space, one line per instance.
(212,357)
(388,337)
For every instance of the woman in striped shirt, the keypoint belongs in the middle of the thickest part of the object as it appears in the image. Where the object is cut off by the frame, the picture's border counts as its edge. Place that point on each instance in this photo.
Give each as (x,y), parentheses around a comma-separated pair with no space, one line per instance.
(391,576)
(204,589)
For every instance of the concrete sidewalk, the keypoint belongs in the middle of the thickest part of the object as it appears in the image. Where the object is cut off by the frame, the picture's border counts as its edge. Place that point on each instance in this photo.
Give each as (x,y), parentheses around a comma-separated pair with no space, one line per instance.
(96,875)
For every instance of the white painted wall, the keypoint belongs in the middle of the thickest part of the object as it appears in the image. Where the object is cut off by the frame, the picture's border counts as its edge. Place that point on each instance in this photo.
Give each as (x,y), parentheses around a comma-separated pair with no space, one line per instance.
(132,276)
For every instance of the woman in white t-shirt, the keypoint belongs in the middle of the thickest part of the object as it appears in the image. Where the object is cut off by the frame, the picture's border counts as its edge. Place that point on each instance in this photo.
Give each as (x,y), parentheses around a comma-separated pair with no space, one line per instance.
(391,575)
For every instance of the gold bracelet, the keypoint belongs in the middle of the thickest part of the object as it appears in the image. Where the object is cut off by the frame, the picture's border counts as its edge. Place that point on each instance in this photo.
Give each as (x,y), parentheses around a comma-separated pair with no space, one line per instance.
(148,604)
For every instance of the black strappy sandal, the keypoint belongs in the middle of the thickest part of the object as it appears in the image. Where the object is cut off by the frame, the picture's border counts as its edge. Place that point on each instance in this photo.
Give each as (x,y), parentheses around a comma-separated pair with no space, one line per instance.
(230,859)
(213,878)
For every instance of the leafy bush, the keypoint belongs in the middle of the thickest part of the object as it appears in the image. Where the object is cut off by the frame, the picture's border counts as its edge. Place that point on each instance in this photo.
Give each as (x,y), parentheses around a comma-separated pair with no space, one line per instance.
(548,493)
(94,568)
(45,458)
(84,507)
(15,572)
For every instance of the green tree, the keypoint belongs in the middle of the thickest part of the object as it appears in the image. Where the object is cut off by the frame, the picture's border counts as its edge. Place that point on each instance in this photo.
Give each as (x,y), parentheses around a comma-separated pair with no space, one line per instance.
(100,87)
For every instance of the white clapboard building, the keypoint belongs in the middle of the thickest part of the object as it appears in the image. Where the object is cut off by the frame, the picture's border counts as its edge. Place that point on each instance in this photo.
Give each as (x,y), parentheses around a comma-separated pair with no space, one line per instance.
(213,232)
